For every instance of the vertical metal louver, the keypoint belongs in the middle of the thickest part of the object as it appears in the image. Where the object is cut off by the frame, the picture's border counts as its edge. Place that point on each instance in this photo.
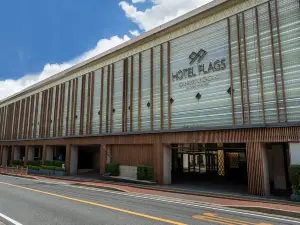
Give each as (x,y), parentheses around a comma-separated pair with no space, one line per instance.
(118,97)
(145,91)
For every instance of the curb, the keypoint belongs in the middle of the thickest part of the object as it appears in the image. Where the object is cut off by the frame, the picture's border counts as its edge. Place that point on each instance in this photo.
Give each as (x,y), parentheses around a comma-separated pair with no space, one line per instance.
(178,191)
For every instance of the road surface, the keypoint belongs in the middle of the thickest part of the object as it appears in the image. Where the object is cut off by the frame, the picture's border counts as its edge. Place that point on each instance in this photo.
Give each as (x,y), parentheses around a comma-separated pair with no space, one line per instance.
(33,202)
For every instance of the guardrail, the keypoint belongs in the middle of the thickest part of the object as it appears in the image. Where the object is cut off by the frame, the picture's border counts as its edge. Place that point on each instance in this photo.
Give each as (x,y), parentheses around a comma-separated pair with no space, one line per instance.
(14,170)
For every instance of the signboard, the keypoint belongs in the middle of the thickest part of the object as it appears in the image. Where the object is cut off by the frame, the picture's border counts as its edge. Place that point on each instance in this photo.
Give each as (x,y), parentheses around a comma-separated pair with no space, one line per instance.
(198,74)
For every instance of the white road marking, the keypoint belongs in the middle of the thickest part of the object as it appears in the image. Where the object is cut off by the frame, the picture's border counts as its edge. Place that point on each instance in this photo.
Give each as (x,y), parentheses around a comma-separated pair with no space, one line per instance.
(9,219)
(210,206)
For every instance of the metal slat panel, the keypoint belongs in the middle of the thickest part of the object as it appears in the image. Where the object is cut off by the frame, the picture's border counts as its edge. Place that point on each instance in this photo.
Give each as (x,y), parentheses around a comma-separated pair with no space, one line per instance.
(235,72)
(39,115)
(104,100)
(52,114)
(86,102)
(128,93)
(253,69)
(118,97)
(33,117)
(58,112)
(289,14)
(156,88)
(214,105)
(165,85)
(46,113)
(145,89)
(96,105)
(78,106)
(28,117)
(65,108)
(135,100)
(267,68)
(70,116)
(4,125)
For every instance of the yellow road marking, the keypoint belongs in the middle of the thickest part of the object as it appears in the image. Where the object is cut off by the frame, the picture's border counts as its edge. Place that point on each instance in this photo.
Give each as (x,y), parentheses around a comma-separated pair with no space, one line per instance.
(222,220)
(97,204)
(211,220)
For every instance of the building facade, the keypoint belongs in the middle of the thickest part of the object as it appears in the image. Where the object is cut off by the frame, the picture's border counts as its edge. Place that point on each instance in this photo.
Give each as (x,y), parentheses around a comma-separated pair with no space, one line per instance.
(215,92)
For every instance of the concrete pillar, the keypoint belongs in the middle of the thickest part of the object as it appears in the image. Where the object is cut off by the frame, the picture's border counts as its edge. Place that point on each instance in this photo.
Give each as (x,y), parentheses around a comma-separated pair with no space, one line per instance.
(5,153)
(17,153)
(279,169)
(44,153)
(108,154)
(49,152)
(26,155)
(73,160)
(294,153)
(30,153)
(167,164)
(103,159)
(68,156)
(1,151)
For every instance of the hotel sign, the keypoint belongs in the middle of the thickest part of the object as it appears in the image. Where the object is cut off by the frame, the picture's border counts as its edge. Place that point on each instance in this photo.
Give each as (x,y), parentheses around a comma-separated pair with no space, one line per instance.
(203,73)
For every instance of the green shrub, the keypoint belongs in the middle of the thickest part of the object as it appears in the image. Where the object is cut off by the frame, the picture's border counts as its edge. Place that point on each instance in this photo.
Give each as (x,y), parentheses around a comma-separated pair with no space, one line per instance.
(58,163)
(15,162)
(48,163)
(145,172)
(294,174)
(113,169)
(33,167)
(34,163)
(45,167)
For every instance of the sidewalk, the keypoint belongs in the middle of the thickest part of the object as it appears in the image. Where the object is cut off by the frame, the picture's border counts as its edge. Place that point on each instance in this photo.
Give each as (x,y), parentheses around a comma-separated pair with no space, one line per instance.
(271,206)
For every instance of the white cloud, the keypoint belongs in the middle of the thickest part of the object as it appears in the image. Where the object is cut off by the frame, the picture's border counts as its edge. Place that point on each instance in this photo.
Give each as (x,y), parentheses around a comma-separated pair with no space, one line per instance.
(161,11)
(134,32)
(9,86)
(138,1)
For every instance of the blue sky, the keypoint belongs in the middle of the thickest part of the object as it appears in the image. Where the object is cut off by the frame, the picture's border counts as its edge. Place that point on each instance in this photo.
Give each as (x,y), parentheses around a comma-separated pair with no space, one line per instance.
(40,38)
(37,32)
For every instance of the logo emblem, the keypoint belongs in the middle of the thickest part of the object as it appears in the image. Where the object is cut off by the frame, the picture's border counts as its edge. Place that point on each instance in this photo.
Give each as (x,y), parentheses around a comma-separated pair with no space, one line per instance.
(200,55)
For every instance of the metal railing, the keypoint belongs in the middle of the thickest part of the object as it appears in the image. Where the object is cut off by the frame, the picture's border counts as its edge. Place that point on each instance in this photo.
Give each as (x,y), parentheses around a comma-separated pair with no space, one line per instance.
(14,170)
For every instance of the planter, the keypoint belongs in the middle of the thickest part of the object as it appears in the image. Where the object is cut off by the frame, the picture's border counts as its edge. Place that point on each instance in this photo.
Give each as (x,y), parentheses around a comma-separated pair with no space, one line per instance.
(295,198)
(59,173)
(46,172)
(31,171)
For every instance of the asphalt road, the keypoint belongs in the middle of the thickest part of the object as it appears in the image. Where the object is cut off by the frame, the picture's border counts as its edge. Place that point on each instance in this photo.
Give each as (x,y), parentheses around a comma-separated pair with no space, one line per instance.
(33,202)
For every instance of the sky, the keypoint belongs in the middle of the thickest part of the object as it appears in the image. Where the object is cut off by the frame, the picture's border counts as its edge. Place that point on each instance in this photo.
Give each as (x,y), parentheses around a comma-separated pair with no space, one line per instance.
(41,38)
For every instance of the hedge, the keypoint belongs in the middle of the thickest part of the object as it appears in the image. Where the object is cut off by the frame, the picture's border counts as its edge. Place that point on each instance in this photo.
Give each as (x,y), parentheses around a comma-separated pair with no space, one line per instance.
(34,163)
(294,174)
(33,167)
(52,168)
(145,172)
(57,163)
(15,162)
(113,169)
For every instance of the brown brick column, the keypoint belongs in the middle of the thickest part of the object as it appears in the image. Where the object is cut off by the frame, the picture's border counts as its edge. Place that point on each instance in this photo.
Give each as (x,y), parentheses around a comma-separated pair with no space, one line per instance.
(68,159)
(257,168)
